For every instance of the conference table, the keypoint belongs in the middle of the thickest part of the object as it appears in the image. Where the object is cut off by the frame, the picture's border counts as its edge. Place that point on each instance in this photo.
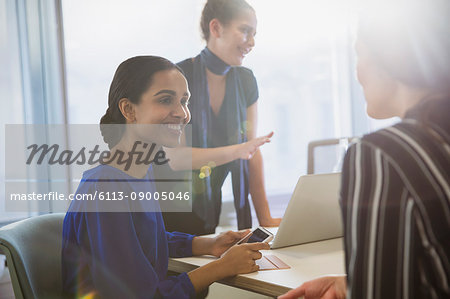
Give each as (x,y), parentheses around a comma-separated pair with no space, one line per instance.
(307,261)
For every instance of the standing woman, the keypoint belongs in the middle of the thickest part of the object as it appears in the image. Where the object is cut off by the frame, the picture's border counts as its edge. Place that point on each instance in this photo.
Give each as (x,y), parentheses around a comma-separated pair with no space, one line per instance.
(224,117)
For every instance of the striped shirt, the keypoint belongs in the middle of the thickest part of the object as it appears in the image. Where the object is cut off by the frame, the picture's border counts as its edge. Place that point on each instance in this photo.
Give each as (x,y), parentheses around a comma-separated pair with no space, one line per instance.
(395,199)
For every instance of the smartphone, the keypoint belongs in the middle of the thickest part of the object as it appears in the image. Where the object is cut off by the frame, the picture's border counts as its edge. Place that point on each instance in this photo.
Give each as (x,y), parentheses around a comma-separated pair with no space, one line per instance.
(259,234)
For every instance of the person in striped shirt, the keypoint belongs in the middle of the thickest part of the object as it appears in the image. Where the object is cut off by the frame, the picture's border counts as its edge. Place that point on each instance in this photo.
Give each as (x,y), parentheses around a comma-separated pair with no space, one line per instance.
(395,191)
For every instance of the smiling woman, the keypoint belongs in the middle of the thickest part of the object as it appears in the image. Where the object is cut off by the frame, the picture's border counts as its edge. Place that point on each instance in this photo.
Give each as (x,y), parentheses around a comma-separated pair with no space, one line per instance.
(124,253)
(224,121)
(131,99)
(301,60)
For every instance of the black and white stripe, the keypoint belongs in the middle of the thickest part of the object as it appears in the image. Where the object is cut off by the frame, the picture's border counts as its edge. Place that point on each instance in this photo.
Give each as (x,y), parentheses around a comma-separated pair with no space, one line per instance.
(395,199)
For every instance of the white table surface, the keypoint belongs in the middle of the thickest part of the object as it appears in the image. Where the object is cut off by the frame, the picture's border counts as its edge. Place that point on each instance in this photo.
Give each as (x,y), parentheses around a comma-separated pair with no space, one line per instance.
(307,261)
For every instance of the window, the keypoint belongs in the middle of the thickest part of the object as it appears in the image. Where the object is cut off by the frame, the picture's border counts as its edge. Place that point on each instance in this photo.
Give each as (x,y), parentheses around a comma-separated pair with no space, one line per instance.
(303,61)
(11,87)
(33,84)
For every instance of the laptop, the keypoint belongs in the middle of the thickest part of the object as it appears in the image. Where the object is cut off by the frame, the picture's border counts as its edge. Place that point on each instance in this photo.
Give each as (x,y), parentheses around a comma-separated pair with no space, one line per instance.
(313,213)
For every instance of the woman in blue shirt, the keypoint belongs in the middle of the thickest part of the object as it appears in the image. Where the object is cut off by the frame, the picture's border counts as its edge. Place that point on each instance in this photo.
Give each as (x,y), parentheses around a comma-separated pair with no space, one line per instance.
(123,253)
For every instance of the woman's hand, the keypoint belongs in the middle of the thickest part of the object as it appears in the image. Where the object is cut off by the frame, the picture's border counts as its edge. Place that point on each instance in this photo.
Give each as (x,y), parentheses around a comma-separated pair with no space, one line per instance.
(247,149)
(238,259)
(225,240)
(328,287)
(270,222)
(241,259)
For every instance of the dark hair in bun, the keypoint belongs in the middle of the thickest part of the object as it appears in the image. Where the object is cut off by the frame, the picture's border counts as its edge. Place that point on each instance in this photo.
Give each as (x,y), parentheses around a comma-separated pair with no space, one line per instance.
(223,10)
(411,41)
(132,78)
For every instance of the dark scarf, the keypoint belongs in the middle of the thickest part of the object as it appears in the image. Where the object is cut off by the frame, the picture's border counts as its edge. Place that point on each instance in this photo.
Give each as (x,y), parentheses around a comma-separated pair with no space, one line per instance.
(207,195)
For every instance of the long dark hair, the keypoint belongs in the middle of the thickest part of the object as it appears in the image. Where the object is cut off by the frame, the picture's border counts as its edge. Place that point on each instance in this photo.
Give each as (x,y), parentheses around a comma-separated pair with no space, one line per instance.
(223,10)
(132,78)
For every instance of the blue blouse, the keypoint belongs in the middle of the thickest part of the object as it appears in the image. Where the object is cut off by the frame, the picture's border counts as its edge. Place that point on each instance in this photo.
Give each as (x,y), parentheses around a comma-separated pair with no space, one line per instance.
(120,254)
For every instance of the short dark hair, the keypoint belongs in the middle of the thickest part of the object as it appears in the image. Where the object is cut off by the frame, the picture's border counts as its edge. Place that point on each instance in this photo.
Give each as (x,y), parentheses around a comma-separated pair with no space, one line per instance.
(131,79)
(222,10)
(411,41)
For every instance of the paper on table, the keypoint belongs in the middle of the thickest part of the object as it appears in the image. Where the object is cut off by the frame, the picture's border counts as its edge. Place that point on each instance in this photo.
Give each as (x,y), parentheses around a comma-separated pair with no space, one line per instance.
(271,262)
